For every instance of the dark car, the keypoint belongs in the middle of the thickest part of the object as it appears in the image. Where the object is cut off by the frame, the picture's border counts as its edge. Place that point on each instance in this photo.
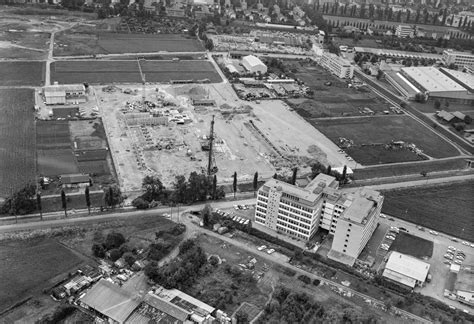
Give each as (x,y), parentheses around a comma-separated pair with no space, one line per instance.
(403,229)
(391,219)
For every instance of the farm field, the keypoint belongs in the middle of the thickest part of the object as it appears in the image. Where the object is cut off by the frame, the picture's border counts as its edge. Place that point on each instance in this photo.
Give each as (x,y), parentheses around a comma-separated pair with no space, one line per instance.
(22,73)
(86,41)
(17,139)
(128,71)
(444,208)
(383,130)
(29,267)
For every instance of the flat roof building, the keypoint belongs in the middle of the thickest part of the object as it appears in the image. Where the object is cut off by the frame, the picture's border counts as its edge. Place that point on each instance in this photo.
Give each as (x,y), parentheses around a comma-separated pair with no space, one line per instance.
(299,212)
(64,94)
(253,64)
(406,270)
(338,66)
(457,58)
(464,79)
(436,84)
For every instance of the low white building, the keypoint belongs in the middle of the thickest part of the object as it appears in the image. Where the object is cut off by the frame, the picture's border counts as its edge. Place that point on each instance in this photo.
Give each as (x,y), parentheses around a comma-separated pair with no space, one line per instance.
(338,66)
(60,94)
(253,64)
(406,270)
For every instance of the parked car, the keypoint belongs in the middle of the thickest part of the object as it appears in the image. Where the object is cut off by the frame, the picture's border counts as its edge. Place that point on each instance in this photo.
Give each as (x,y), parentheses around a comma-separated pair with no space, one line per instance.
(270,251)
(403,229)
(391,219)
(420,228)
(458,261)
(454,239)
(465,243)
(384,248)
(434,233)
(460,257)
(261,248)
(446,262)
(448,256)
(451,248)
(383,216)
(390,237)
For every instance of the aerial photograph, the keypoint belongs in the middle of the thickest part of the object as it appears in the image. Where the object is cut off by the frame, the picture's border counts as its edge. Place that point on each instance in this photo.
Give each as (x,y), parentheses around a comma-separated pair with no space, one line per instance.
(236,161)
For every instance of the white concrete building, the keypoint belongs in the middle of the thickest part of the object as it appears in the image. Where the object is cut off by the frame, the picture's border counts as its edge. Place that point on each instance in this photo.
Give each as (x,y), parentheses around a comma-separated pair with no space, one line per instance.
(299,212)
(457,58)
(57,94)
(406,270)
(338,66)
(253,64)
(404,31)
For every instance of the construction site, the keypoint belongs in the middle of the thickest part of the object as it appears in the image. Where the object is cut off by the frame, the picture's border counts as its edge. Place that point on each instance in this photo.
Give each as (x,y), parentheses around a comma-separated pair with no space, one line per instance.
(172,130)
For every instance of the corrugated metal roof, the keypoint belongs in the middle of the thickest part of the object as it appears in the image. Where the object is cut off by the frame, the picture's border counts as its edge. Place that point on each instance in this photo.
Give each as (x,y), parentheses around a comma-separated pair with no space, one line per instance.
(110,300)
(407,266)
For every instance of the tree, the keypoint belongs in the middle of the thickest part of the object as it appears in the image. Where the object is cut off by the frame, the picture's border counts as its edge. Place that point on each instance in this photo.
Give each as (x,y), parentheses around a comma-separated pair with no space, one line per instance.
(129,258)
(114,240)
(88,199)
(64,202)
(424,173)
(38,205)
(112,196)
(214,187)
(209,44)
(21,202)
(98,250)
(316,169)
(241,317)
(437,104)
(328,171)
(234,185)
(344,174)
(468,119)
(153,188)
(206,214)
(255,183)
(115,254)
(293,177)
(140,203)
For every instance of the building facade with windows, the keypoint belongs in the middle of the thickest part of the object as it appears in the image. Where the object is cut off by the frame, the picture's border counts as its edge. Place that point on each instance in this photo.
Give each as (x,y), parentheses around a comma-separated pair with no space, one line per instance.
(338,66)
(299,212)
(457,58)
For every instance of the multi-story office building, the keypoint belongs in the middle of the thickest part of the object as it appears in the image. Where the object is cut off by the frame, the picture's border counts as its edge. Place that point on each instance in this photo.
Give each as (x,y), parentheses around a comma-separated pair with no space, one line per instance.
(404,31)
(337,65)
(298,212)
(457,58)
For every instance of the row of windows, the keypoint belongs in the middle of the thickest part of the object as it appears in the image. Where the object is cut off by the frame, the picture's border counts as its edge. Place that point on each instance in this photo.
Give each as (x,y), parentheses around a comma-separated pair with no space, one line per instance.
(260,209)
(291,221)
(297,208)
(263,193)
(299,219)
(306,209)
(290,197)
(263,199)
(261,204)
(291,229)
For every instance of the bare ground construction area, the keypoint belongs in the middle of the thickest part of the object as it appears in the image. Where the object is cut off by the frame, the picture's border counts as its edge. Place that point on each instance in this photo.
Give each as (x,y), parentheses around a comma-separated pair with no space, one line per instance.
(167,134)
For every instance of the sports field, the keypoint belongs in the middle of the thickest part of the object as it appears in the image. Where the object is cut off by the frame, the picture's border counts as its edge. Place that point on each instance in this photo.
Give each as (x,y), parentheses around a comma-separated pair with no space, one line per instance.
(22,73)
(128,71)
(17,139)
(28,266)
(365,132)
(444,208)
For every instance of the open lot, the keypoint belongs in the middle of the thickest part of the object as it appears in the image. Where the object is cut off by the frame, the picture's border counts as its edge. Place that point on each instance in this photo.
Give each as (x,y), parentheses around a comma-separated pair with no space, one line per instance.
(22,73)
(128,71)
(371,134)
(335,100)
(28,266)
(84,40)
(17,139)
(444,208)
(412,245)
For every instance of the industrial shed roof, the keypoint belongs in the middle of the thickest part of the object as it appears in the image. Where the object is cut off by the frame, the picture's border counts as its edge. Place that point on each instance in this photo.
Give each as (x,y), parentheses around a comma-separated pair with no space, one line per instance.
(252,60)
(110,300)
(406,266)
(432,79)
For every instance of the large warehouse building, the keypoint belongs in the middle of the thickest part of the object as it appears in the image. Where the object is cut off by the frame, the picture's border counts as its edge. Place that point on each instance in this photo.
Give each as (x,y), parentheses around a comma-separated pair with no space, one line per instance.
(60,94)
(435,83)
(299,212)
(253,64)
(406,270)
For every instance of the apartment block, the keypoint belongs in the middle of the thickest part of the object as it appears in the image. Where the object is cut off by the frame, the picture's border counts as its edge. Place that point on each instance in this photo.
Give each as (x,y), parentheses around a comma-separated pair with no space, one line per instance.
(298,212)
(338,66)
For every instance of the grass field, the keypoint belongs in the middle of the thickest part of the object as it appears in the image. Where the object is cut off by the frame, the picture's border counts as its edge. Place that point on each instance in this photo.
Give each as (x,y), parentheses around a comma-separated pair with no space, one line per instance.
(409,168)
(114,71)
(17,139)
(26,73)
(444,208)
(383,130)
(412,245)
(28,266)
(84,41)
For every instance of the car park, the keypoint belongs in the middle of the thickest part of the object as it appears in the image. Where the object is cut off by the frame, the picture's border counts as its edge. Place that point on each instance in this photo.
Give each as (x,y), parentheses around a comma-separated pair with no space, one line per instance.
(270,251)
(261,248)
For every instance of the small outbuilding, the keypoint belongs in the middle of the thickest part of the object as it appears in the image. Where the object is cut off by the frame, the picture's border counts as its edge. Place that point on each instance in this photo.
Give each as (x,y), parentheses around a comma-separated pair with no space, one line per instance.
(75,180)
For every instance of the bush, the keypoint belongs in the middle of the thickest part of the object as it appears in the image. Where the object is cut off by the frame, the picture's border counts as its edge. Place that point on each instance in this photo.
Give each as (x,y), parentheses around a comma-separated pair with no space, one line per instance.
(213,260)
(305,279)
(59,315)
(140,203)
(129,258)
(114,240)
(316,282)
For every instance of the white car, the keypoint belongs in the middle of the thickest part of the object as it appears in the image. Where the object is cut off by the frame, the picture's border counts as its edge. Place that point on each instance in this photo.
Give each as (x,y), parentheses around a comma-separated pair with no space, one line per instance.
(458,261)
(261,248)
(383,216)
(270,251)
(434,232)
(390,237)
(384,248)
(448,256)
(460,257)
(472,245)
(465,243)
(451,248)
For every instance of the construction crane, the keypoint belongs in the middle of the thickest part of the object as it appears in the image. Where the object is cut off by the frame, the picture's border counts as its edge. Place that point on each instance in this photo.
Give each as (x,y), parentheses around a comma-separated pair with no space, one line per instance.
(143,80)
(211,163)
